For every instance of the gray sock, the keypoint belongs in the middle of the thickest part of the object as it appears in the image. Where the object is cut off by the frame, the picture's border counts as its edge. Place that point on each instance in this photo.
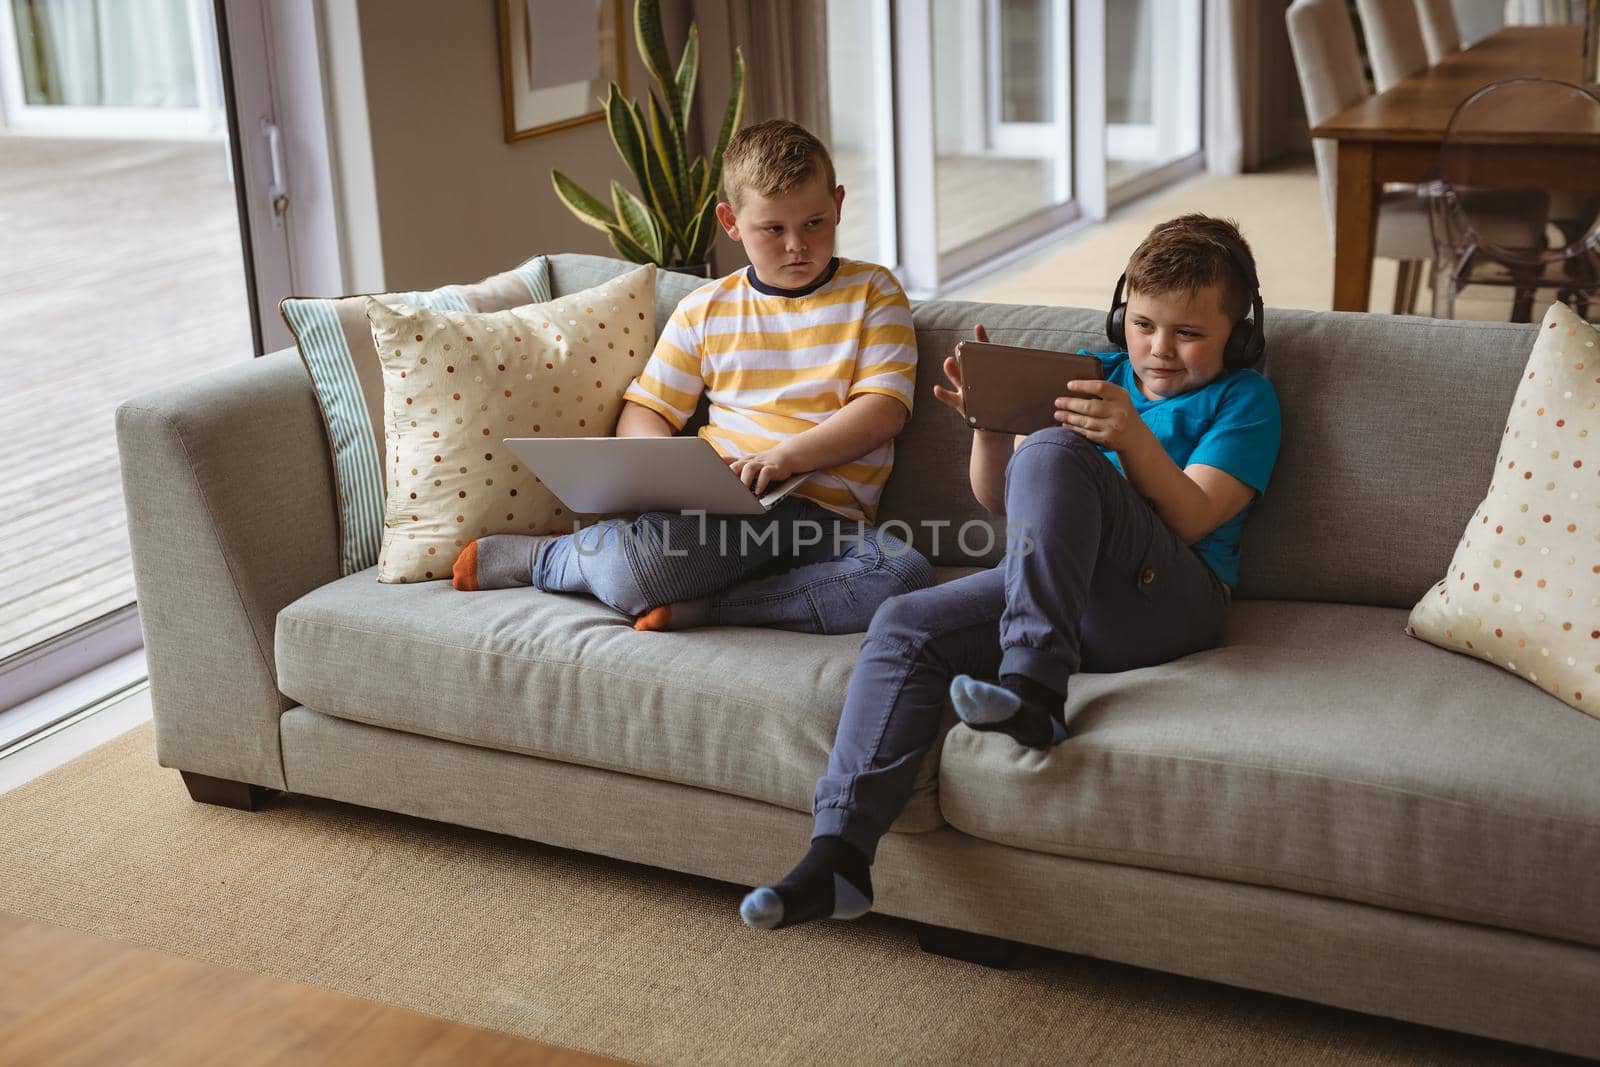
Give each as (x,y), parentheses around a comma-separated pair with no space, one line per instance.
(688,614)
(980,703)
(506,560)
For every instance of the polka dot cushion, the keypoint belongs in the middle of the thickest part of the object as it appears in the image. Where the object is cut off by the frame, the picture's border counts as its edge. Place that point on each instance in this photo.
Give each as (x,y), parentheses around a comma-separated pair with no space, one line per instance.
(335,342)
(1523,590)
(456,384)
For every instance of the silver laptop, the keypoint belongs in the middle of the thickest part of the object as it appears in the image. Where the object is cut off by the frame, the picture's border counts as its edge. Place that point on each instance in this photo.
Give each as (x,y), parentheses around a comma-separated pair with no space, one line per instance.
(622,475)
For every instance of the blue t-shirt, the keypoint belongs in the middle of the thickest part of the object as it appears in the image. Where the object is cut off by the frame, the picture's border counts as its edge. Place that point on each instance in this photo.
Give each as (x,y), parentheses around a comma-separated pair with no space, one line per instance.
(1231,423)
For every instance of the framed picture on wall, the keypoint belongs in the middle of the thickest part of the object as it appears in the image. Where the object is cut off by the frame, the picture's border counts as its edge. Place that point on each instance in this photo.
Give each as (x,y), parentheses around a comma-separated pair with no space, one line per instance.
(557,58)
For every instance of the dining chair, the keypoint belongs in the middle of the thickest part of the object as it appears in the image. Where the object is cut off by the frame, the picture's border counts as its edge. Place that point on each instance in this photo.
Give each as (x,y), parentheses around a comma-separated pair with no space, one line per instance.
(1441,34)
(1475,248)
(1543,12)
(1328,62)
(1394,40)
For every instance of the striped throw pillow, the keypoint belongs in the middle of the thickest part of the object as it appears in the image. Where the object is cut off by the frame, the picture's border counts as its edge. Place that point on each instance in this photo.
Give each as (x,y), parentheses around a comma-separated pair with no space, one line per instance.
(335,342)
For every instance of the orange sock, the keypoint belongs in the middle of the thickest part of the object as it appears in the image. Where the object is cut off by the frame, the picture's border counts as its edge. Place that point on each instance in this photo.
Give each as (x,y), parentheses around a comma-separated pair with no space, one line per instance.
(464,572)
(654,619)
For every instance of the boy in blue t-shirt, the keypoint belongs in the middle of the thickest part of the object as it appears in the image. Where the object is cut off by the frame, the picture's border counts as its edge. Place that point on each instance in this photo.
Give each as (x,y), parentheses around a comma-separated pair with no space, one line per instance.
(1124,526)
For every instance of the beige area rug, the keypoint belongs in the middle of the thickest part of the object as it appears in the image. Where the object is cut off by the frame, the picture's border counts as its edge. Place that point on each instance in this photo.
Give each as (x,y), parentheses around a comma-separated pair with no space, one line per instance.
(599,955)
(1279,210)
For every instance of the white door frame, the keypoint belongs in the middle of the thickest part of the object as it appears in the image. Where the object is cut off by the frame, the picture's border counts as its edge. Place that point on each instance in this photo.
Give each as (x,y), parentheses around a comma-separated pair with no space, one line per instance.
(883,139)
(284,166)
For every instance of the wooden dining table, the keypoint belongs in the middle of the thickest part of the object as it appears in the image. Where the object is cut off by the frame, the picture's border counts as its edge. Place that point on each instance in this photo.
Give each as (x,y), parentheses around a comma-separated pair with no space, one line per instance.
(1395,136)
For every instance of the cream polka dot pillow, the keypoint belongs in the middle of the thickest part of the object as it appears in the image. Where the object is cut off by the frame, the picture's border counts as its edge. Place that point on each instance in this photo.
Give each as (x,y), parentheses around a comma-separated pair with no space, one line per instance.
(1523,591)
(456,384)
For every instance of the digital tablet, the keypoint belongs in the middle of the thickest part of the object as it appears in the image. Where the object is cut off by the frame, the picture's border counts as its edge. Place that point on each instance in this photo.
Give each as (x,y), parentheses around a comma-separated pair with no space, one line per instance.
(1014,390)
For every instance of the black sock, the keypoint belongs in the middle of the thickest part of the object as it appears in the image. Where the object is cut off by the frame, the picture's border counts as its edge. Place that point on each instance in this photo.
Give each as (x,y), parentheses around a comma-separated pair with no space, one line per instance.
(1036,723)
(1035,696)
(1019,707)
(832,881)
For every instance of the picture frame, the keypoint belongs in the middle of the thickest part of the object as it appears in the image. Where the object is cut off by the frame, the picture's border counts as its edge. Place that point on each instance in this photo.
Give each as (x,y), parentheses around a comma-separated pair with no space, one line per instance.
(555,67)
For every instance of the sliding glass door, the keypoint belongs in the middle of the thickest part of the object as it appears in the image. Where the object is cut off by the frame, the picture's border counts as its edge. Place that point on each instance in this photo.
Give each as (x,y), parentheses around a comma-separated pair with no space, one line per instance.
(984,130)
(1002,138)
(123,268)
(861,126)
(1009,120)
(1153,91)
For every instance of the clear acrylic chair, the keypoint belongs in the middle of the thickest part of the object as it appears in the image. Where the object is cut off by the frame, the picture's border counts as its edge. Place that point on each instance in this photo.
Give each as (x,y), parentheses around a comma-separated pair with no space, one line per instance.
(1473,246)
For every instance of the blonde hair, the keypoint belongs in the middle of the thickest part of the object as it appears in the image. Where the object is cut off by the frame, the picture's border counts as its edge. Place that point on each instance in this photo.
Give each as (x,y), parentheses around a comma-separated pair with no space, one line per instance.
(771,158)
(1191,252)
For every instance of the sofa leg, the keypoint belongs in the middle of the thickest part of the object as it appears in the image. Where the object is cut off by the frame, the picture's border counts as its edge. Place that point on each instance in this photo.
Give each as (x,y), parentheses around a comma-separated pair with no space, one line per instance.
(975,948)
(204,789)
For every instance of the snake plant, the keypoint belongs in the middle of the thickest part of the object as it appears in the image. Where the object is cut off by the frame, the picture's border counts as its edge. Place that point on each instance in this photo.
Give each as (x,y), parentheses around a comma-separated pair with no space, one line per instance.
(673,222)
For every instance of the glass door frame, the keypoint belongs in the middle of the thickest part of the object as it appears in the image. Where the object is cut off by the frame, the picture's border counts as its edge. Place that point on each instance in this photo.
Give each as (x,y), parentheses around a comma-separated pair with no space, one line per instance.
(924,268)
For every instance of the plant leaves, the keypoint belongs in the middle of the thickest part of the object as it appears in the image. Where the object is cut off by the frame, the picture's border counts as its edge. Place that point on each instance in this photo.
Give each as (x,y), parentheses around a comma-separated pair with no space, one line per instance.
(669,201)
(668,150)
(626,248)
(588,209)
(702,231)
(652,45)
(697,181)
(689,71)
(626,133)
(731,118)
(637,222)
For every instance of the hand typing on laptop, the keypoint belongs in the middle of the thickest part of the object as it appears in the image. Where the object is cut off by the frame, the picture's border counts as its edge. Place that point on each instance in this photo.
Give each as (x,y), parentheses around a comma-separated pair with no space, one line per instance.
(763,469)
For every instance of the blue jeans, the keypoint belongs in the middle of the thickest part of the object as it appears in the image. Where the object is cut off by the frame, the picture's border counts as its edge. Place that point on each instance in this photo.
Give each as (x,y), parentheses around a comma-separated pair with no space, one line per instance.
(798,567)
(1104,586)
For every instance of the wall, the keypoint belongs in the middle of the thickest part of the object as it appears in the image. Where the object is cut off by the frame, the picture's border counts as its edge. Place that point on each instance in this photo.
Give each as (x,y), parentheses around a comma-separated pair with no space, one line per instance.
(1274,111)
(454,201)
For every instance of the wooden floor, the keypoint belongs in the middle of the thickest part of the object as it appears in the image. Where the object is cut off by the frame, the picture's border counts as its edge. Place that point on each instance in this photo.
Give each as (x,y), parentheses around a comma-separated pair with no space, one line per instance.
(975,196)
(70,998)
(120,271)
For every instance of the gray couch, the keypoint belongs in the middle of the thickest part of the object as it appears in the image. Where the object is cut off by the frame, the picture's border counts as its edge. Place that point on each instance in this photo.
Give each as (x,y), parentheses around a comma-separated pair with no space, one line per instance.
(1321,807)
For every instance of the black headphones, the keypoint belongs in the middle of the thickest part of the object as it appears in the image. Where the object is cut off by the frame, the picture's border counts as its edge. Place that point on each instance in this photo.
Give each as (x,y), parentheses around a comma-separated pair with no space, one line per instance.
(1247,341)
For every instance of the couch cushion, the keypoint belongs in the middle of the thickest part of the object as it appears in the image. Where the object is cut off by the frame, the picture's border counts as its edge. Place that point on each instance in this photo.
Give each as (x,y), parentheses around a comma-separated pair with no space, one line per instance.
(751,712)
(335,342)
(1318,749)
(457,382)
(1522,591)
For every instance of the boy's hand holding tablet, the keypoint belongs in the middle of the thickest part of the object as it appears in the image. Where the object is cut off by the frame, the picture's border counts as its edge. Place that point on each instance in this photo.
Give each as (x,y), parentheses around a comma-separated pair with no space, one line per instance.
(1009,390)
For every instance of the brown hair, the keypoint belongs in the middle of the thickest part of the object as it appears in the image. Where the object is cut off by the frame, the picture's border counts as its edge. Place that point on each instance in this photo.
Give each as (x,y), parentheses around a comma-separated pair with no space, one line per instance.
(772,158)
(1191,252)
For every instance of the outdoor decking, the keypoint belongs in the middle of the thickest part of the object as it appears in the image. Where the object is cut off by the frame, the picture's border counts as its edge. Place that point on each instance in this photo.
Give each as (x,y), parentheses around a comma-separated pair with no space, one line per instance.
(120,271)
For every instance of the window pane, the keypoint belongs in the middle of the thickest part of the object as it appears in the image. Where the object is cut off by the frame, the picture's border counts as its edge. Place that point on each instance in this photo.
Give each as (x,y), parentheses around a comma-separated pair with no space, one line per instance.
(132,53)
(1152,85)
(859,139)
(1000,131)
(120,272)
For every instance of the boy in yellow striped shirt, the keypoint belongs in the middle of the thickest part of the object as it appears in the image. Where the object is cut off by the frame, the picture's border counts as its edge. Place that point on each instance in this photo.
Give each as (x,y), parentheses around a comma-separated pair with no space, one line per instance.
(808,363)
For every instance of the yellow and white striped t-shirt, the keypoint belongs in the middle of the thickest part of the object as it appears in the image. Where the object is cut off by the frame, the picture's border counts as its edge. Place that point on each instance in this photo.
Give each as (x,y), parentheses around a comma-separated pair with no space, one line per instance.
(774,364)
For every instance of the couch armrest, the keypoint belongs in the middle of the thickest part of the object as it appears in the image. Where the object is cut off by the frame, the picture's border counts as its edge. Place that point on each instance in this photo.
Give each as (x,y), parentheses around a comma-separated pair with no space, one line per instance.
(231,515)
